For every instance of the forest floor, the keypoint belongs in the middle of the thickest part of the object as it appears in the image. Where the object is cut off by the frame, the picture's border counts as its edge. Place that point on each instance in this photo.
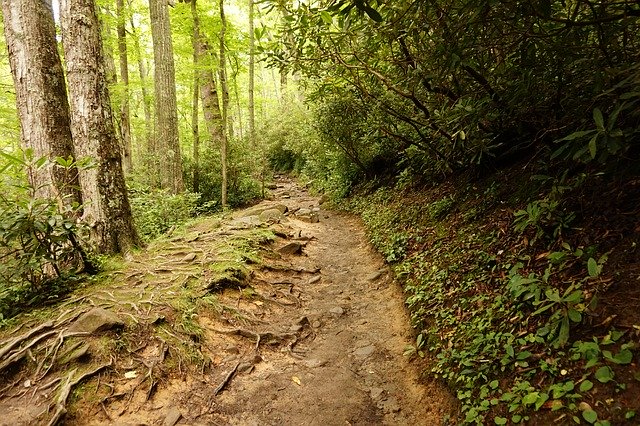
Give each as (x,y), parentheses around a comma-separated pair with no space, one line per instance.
(263,317)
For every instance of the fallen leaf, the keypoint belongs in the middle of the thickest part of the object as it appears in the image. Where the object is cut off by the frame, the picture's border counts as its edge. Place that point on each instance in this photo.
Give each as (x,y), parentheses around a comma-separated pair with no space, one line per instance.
(258,303)
(130,374)
(296,381)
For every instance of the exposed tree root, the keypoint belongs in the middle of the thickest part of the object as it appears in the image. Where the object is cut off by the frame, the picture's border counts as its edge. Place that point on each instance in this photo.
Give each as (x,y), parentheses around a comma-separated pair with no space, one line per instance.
(61,402)
(226,380)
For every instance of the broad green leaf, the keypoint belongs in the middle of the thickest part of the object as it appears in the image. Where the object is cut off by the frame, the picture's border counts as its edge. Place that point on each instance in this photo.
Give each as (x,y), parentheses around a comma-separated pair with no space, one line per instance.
(574,315)
(373,14)
(326,17)
(500,420)
(625,356)
(593,147)
(597,117)
(592,267)
(576,135)
(590,416)
(586,386)
(530,398)
(604,374)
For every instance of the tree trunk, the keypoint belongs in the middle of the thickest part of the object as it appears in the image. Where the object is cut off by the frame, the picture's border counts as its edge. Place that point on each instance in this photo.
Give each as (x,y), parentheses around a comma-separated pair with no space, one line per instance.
(166,131)
(195,128)
(150,147)
(252,52)
(225,103)
(208,91)
(108,210)
(125,119)
(41,95)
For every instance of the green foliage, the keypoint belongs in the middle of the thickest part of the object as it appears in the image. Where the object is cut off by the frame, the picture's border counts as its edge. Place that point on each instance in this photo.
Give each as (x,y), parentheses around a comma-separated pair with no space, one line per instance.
(39,238)
(505,331)
(156,211)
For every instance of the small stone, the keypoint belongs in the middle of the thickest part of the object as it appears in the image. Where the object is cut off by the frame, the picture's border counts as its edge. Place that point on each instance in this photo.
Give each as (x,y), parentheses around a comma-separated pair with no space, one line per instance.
(390,406)
(315,279)
(291,248)
(303,321)
(316,324)
(315,209)
(245,367)
(375,276)
(271,186)
(257,359)
(314,363)
(376,392)
(337,311)
(189,257)
(296,328)
(173,416)
(232,349)
(365,351)
(303,212)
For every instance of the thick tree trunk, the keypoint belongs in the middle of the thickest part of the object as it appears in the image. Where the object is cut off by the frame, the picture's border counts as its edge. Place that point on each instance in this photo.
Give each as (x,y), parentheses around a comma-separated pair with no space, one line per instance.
(41,95)
(125,119)
(107,209)
(225,103)
(166,134)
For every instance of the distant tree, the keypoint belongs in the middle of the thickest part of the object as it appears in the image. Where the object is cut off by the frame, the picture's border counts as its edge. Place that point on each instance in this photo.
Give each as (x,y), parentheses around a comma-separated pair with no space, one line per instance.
(166,129)
(123,58)
(40,94)
(107,209)
(225,103)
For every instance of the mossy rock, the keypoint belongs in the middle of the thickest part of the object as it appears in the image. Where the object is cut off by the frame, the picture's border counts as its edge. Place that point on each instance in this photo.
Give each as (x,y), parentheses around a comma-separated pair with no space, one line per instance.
(227,275)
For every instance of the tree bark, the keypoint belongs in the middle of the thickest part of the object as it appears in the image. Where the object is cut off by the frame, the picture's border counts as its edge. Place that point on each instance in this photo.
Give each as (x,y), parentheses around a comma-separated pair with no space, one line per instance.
(252,52)
(41,95)
(150,147)
(208,91)
(107,210)
(195,128)
(125,114)
(225,103)
(166,129)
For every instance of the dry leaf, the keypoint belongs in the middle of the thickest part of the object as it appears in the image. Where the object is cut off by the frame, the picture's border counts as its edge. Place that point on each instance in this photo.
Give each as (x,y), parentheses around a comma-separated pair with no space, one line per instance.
(258,303)
(130,375)
(296,381)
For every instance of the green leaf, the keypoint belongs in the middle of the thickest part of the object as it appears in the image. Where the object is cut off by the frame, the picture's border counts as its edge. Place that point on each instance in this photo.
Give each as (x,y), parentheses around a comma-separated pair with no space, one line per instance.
(592,146)
(574,315)
(510,351)
(530,398)
(592,267)
(623,357)
(597,117)
(326,17)
(373,14)
(604,374)
(576,135)
(586,386)
(590,416)
(500,420)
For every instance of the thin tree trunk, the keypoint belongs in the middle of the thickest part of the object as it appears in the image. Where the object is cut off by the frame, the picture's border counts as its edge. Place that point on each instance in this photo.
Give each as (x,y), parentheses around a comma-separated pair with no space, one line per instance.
(41,95)
(150,147)
(125,114)
(165,98)
(194,112)
(252,52)
(225,103)
(108,210)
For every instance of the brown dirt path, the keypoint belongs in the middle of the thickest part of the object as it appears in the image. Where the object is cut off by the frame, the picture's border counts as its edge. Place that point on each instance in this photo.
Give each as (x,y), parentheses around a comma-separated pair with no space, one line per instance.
(313,336)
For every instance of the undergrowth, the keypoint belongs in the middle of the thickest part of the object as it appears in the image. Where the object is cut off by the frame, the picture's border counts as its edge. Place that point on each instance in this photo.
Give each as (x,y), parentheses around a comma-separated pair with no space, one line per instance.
(504,303)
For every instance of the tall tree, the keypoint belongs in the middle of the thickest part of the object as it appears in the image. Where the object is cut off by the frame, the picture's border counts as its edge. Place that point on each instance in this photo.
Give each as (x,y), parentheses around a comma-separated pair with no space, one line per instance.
(252,53)
(108,210)
(41,95)
(166,129)
(195,104)
(123,57)
(208,90)
(225,103)
(146,100)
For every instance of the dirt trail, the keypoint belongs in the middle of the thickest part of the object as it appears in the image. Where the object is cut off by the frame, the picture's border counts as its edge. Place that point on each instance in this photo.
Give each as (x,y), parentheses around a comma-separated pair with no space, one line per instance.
(315,337)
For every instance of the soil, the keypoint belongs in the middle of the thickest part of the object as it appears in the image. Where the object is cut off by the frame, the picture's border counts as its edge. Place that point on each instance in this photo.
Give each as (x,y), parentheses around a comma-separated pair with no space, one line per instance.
(313,334)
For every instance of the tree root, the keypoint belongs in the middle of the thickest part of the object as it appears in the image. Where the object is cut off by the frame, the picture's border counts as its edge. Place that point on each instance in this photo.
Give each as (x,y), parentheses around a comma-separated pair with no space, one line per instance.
(226,380)
(8,346)
(61,402)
